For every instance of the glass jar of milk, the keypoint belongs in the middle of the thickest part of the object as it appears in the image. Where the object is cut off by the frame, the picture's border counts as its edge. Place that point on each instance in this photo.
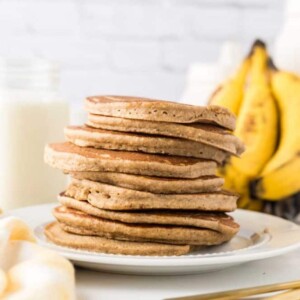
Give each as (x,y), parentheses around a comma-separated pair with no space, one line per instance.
(31,115)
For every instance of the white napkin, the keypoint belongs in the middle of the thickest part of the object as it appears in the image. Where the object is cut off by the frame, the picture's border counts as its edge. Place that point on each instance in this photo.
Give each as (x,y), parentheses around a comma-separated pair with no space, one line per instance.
(28,271)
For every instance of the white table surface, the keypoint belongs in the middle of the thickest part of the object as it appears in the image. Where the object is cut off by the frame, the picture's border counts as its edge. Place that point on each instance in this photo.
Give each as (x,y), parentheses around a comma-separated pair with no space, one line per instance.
(98,285)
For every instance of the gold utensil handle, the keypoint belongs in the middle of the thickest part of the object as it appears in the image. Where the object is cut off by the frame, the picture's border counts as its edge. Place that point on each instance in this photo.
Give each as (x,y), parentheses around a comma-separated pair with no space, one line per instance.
(291,294)
(238,294)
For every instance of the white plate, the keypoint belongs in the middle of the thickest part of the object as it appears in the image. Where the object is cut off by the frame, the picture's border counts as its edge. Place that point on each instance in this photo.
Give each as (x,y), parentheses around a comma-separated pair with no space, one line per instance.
(261,236)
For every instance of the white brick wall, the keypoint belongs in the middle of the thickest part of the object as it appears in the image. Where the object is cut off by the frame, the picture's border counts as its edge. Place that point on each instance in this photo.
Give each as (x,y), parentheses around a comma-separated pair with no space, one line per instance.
(140,47)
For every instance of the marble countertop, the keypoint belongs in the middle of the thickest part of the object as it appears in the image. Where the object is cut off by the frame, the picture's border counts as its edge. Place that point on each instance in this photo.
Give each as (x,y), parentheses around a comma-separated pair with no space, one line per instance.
(98,285)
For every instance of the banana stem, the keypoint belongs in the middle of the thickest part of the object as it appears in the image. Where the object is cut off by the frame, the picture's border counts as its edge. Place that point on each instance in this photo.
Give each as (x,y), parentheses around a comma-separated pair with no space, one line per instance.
(271,64)
(257,44)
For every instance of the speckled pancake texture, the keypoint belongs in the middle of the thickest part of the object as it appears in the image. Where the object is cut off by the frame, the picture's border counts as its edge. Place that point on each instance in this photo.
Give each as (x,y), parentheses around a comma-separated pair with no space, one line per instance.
(158,110)
(143,178)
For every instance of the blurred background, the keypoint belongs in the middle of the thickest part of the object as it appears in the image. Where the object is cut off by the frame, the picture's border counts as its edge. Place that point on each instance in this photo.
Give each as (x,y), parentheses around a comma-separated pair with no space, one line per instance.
(132,47)
(55,53)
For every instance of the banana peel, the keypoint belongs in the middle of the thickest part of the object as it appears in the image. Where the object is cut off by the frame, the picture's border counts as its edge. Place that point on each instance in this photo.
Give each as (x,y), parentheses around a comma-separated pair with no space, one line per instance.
(238,182)
(257,121)
(230,94)
(280,177)
(279,184)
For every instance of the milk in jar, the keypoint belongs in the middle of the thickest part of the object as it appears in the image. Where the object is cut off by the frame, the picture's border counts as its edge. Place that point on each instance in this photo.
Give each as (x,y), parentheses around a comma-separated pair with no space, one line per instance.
(31,115)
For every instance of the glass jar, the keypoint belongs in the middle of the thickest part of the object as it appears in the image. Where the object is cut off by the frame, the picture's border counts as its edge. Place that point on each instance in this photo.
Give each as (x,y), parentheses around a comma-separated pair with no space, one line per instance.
(32,114)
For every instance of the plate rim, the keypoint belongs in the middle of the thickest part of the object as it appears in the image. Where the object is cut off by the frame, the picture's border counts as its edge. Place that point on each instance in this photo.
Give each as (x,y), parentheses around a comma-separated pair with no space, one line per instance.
(180,261)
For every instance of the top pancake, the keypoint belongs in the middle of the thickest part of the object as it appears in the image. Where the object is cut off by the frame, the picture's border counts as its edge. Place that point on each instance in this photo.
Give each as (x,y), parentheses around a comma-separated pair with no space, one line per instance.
(158,110)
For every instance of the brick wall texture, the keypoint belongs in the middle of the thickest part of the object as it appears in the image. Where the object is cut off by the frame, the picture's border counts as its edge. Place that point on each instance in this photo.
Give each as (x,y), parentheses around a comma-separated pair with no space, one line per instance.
(137,47)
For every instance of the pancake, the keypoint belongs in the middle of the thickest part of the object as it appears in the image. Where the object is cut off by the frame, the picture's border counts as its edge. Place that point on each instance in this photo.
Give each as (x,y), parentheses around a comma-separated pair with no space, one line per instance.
(210,184)
(69,157)
(156,185)
(206,184)
(158,110)
(207,134)
(221,201)
(117,198)
(85,136)
(169,234)
(216,221)
(57,235)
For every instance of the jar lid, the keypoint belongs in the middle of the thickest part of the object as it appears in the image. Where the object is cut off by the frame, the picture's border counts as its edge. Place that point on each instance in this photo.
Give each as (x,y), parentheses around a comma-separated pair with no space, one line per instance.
(28,73)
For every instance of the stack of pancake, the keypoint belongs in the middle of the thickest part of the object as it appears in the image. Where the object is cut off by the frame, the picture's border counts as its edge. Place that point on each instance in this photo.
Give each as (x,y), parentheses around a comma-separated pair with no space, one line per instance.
(144,178)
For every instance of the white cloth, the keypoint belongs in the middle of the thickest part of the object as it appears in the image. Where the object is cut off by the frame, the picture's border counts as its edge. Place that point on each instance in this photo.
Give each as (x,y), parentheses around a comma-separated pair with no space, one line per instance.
(28,271)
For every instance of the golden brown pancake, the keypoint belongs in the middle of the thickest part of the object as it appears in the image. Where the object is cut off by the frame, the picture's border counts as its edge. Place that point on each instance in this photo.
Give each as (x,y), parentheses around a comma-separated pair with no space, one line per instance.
(216,221)
(106,196)
(181,235)
(158,110)
(209,184)
(57,235)
(152,184)
(207,134)
(69,157)
(85,136)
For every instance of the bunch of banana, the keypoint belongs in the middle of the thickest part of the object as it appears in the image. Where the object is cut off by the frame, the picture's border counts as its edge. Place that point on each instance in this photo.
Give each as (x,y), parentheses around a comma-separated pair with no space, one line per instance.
(280,177)
(266,102)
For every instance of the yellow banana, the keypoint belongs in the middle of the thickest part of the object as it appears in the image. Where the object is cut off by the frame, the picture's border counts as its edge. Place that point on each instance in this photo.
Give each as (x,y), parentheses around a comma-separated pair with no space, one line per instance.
(235,181)
(280,177)
(281,182)
(239,183)
(246,202)
(257,121)
(230,93)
